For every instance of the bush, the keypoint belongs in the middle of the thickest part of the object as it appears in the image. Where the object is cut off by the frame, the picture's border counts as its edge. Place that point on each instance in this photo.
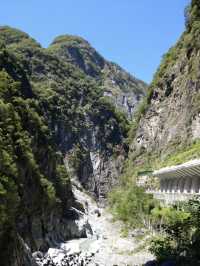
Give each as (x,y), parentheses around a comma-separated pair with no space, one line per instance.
(49,189)
(131,205)
(9,201)
(180,239)
(162,247)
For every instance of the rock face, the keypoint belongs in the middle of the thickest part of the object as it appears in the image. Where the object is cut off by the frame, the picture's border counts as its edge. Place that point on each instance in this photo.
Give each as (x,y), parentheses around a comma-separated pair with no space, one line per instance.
(124,90)
(171,121)
(98,172)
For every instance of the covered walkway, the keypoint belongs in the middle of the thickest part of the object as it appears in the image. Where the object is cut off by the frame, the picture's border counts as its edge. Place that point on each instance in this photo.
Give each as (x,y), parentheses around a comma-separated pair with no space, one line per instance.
(179,182)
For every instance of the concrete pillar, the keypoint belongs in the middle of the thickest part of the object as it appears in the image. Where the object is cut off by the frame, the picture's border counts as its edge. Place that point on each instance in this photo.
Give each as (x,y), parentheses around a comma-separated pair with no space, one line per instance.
(195,185)
(165,183)
(171,185)
(198,185)
(187,186)
(168,185)
(162,184)
(182,184)
(190,185)
(179,185)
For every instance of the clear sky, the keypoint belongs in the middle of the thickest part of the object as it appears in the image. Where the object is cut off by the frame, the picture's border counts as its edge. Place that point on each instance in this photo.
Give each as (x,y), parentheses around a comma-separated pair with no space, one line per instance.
(133,33)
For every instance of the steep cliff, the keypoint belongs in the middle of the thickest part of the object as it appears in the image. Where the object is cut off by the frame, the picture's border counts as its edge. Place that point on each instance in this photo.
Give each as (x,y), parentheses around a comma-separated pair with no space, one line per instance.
(165,129)
(55,125)
(86,127)
(168,128)
(35,190)
(124,90)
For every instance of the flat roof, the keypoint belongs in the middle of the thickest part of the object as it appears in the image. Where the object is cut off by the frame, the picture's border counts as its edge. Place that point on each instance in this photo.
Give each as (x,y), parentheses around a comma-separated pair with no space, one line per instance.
(190,168)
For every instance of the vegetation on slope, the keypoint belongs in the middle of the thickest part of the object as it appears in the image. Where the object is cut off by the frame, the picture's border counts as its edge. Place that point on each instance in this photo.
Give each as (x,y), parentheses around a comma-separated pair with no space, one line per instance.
(112,77)
(47,107)
(178,151)
(179,233)
(132,206)
(27,186)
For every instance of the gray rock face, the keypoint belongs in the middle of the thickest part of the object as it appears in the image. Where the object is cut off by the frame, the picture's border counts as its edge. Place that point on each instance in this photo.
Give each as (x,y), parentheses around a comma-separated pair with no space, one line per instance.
(172,118)
(125,101)
(124,90)
(48,233)
(103,176)
(99,170)
(49,70)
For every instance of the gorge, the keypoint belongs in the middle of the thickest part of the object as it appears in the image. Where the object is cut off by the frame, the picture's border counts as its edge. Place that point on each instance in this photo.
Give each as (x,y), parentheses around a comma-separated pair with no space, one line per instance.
(57,125)
(75,132)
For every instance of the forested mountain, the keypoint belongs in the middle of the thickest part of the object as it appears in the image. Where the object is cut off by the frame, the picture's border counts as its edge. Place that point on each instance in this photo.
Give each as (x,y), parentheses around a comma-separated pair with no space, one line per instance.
(55,125)
(124,90)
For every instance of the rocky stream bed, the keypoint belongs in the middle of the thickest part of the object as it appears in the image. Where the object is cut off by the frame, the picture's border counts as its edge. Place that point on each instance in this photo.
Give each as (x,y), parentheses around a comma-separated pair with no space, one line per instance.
(103,246)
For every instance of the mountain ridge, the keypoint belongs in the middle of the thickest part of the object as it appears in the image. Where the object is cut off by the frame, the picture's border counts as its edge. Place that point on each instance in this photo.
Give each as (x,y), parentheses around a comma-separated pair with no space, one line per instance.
(124,89)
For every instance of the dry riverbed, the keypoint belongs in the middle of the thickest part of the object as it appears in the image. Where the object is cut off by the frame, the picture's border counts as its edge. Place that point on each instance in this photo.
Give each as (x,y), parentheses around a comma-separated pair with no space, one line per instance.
(104,245)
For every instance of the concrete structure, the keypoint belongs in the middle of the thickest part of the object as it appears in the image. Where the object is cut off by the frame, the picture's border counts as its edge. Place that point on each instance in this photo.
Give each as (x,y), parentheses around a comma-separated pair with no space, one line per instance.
(179,182)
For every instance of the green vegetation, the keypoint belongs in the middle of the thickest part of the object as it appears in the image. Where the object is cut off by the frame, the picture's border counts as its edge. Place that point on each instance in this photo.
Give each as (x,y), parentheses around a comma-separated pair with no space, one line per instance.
(24,140)
(67,38)
(128,183)
(132,205)
(177,227)
(188,43)
(179,238)
(76,50)
(183,154)
(13,36)
(192,14)
(47,108)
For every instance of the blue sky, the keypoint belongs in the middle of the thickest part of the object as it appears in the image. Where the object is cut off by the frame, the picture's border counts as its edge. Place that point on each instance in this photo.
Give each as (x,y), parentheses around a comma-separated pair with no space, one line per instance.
(133,33)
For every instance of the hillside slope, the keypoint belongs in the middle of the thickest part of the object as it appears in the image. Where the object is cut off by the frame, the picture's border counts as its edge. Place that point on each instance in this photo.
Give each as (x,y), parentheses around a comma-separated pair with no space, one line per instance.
(55,126)
(165,131)
(33,181)
(124,90)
